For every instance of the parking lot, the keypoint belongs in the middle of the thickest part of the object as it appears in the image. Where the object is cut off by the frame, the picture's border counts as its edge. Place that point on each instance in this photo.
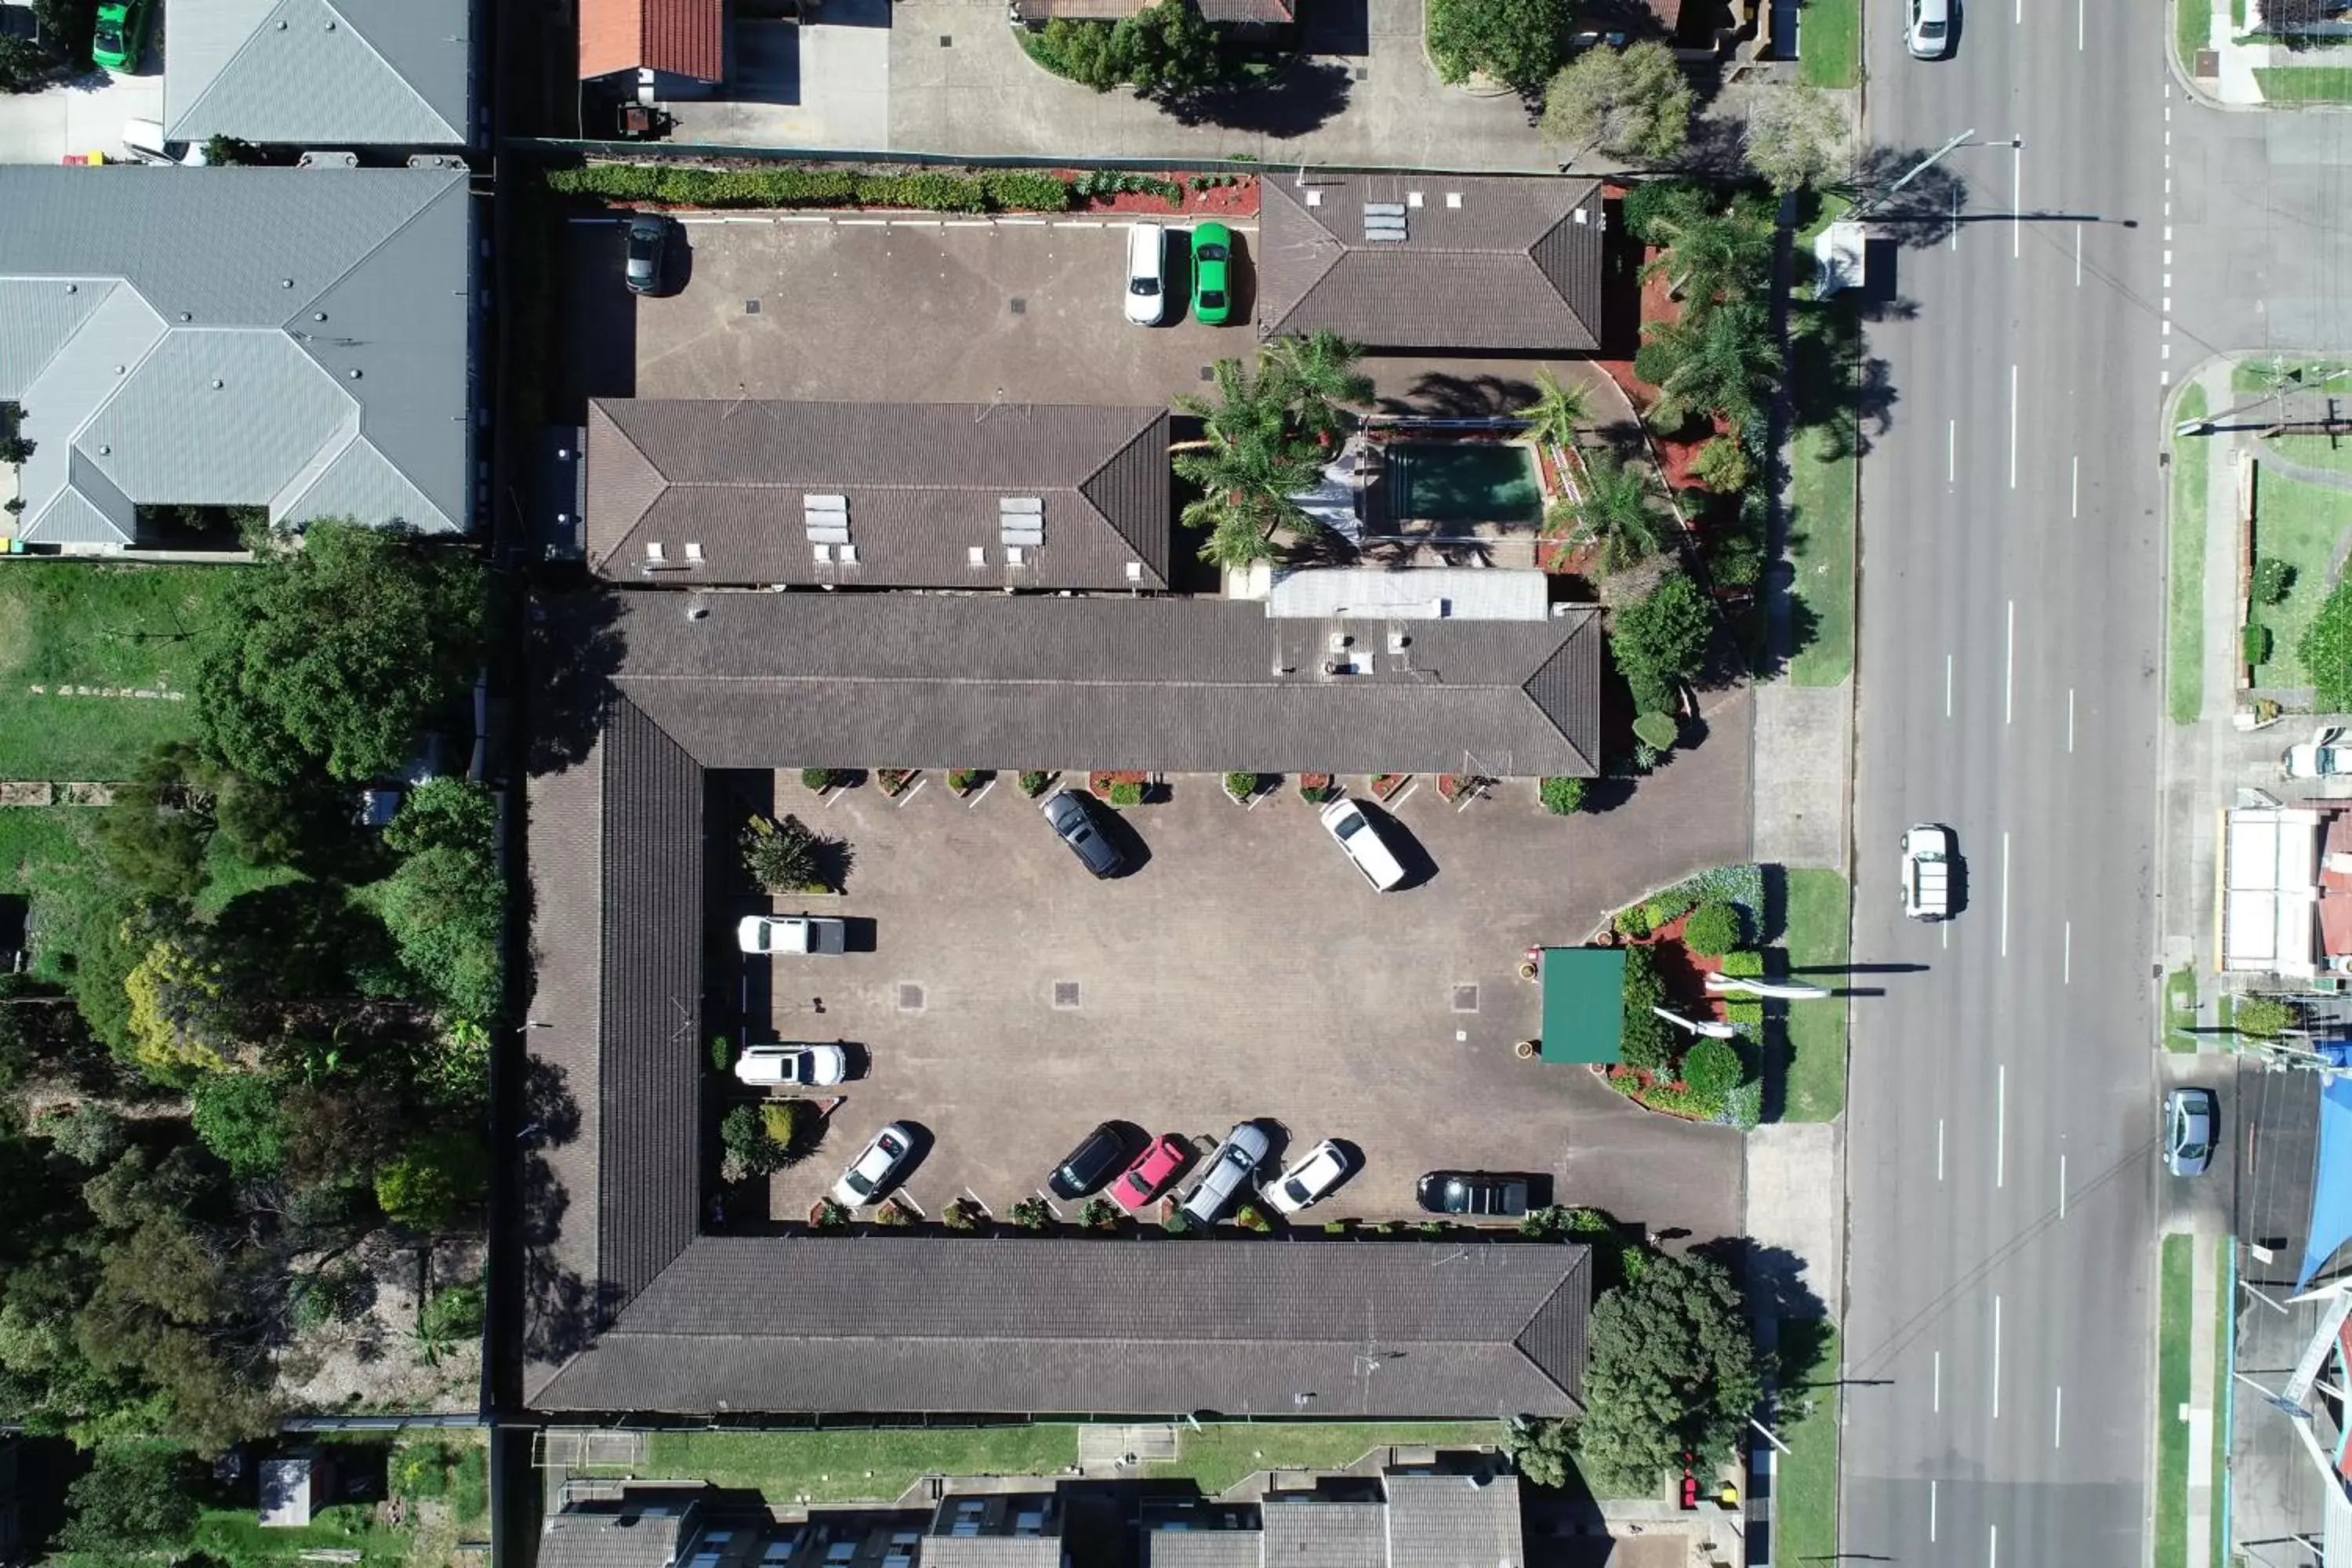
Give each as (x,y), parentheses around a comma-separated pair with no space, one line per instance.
(1009,1002)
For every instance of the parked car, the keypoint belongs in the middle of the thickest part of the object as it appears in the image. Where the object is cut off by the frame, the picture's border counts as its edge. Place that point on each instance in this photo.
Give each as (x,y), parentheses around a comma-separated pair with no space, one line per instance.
(1476,1193)
(120,39)
(2323,758)
(143,139)
(1229,1169)
(1213,264)
(770,935)
(876,1168)
(2192,1120)
(1354,833)
(1310,1179)
(1074,819)
(1090,1163)
(1927,872)
(1929,35)
(1152,1170)
(648,249)
(1147,274)
(810,1066)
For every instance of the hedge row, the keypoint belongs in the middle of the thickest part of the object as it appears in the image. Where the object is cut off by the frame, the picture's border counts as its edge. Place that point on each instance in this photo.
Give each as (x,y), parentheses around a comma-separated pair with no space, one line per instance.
(997,190)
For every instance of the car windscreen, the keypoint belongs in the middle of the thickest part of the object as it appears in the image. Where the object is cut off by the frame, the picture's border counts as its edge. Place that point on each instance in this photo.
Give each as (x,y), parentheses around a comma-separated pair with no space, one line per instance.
(641,244)
(1931,29)
(1213,298)
(1210,252)
(109,36)
(1349,827)
(1143,286)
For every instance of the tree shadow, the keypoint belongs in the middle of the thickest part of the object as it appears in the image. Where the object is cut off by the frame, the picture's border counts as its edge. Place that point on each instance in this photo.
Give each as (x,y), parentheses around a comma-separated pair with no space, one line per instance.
(1924,211)
(1306,98)
(572,654)
(1442,395)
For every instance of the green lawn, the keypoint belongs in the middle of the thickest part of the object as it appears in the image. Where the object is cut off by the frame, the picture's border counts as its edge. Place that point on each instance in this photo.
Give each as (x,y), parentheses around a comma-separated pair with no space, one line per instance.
(2180,1010)
(1804,1507)
(855,1466)
(2224,1304)
(1818,927)
(1820,545)
(2192,25)
(2300,524)
(2304,84)
(2184,575)
(126,629)
(2171,1393)
(1215,1457)
(234,1536)
(1829,42)
(2330,452)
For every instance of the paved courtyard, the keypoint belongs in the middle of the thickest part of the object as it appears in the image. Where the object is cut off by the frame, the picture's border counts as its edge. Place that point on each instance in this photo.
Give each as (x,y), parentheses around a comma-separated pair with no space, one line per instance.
(84,115)
(1009,1002)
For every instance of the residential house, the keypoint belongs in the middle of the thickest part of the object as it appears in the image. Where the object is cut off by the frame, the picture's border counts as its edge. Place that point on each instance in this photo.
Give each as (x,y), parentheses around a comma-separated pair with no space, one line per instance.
(1433,263)
(1418,1517)
(651,50)
(950,495)
(301,340)
(325,73)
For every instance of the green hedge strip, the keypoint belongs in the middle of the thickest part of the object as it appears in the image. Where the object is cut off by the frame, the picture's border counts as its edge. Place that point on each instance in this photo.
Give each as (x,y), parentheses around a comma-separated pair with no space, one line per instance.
(997,190)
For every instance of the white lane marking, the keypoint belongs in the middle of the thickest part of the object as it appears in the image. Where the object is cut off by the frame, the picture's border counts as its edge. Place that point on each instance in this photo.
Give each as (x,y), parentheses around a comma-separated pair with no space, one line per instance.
(2075,489)
(2070,720)
(2057,1415)
(2016,183)
(2012,427)
(1996,1358)
(1992,1547)
(1948,686)
(1939,1153)
(2078,25)
(2078,256)
(2008,669)
(2000,1129)
(1951,449)
(1947,932)
(1936,1385)
(2004,893)
(2067,973)
(2062,1187)
(1931,1513)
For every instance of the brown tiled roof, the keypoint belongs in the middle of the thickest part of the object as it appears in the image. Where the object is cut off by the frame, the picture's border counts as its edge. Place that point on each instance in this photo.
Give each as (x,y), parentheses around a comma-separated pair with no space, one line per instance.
(924,484)
(683,38)
(1489,262)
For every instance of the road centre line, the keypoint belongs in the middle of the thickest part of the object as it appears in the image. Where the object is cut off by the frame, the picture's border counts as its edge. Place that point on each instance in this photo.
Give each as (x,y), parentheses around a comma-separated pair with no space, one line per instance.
(1952,450)
(2066,971)
(2000,1137)
(1948,686)
(1936,1382)
(2078,256)
(2017,186)
(1931,1513)
(2078,27)
(1939,1176)
(1996,1358)
(2057,1414)
(2008,669)
(2074,487)
(1992,1546)
(2062,1187)
(2070,720)
(2004,893)
(2012,427)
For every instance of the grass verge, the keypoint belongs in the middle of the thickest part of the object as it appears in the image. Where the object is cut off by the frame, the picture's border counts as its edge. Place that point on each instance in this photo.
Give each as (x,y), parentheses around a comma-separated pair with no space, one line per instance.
(236,1536)
(118,628)
(2299,524)
(1818,928)
(1829,42)
(2180,1010)
(2260,375)
(852,1467)
(1804,1505)
(1215,1457)
(2333,453)
(2304,84)
(2192,29)
(2223,1308)
(1824,345)
(2185,572)
(2174,1276)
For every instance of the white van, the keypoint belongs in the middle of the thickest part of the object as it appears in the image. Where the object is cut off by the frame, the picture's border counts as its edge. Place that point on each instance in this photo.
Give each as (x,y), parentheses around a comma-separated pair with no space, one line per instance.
(1147,274)
(1354,833)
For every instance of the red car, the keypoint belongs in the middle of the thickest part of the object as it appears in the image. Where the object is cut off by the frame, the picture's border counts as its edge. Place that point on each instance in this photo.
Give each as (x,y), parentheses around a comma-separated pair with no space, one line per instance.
(1154,1170)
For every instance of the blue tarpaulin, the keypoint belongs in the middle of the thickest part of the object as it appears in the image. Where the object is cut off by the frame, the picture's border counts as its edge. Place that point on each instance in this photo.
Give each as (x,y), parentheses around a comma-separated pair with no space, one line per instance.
(2331,1193)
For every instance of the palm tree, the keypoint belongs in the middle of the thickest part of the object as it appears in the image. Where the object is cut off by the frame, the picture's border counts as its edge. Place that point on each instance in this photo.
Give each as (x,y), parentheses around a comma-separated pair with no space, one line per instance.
(1558,412)
(1712,257)
(1318,379)
(1248,464)
(1616,512)
(1247,407)
(1720,362)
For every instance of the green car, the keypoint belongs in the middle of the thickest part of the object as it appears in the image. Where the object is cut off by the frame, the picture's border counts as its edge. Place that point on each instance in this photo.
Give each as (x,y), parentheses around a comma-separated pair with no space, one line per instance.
(1212,265)
(121,37)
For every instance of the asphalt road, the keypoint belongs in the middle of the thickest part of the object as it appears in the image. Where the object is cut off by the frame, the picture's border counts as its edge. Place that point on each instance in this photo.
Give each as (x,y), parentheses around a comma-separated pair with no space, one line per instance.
(2000,1168)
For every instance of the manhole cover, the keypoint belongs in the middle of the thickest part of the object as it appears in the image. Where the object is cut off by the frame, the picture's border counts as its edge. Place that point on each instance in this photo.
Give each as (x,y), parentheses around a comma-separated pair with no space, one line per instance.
(751,307)
(2209,63)
(1065,992)
(1364,73)
(911,998)
(1208,373)
(1466,998)
(1019,306)
(947,40)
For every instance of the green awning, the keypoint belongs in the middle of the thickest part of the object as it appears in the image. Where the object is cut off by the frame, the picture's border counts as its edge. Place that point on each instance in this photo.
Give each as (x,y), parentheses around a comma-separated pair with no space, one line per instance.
(1583,1004)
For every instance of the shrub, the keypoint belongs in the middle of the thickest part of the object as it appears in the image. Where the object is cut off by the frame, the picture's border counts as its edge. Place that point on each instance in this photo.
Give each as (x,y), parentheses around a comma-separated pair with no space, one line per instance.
(893,780)
(1743,1105)
(792,187)
(1099,1214)
(1125,793)
(2262,1018)
(1712,1069)
(893,1214)
(1662,639)
(1646,1042)
(419,1469)
(1744,963)
(786,855)
(964,780)
(1712,930)
(2253,643)
(1561,797)
(829,1214)
(1240,786)
(1518,43)
(2272,581)
(1249,1217)
(784,1121)
(1033,782)
(1634,922)
(330,1296)
(1031,1214)
(963,1214)
(455,1313)
(1543,1224)
(722,1052)
(1335,1227)
(1722,465)
(1175,1222)
(438,1178)
(238,1116)
(89,1134)
(2326,650)
(1316,789)
(817,779)
(744,1136)
(1429,1227)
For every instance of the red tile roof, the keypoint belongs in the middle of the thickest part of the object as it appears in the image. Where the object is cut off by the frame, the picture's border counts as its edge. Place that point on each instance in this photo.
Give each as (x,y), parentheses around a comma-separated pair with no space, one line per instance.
(683,37)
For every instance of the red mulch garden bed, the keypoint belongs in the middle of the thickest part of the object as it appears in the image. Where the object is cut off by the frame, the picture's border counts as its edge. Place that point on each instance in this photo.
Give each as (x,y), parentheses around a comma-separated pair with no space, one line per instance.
(1220,201)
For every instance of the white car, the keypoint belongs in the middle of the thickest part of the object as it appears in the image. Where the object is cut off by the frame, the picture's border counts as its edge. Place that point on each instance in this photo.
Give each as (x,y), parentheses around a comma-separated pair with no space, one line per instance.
(1312,1178)
(2323,758)
(1147,274)
(875,1169)
(1929,35)
(1354,833)
(1927,872)
(765,934)
(808,1065)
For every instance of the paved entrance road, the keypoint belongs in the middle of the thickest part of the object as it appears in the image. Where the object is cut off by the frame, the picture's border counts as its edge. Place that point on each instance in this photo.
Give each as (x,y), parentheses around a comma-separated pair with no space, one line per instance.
(2000,1165)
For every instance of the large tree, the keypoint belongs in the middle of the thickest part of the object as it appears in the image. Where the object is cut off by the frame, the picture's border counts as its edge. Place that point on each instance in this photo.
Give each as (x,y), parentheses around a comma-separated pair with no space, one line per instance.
(1615,513)
(330,655)
(1795,136)
(1662,639)
(1634,102)
(1671,1369)
(1721,362)
(1558,413)
(133,1501)
(1249,463)
(1712,257)
(1518,43)
(1318,379)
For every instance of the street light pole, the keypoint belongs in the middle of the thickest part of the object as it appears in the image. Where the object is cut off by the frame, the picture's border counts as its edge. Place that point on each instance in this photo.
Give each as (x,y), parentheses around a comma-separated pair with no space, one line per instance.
(1921,167)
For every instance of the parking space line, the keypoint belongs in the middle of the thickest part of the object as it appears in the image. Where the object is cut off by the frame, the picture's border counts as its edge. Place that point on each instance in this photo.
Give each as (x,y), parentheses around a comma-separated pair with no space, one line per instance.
(981,793)
(917,222)
(797,217)
(911,794)
(863,222)
(1020,222)
(1402,795)
(1076,223)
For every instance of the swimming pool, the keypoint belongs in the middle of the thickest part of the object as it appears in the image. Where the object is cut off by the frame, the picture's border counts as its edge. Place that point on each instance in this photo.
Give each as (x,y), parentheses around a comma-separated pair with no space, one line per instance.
(1462,481)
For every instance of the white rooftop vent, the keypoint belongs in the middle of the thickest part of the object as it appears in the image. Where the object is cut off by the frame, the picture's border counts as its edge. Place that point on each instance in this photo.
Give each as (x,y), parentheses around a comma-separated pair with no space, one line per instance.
(849,555)
(1013,557)
(653,550)
(1135,571)
(1453,199)
(1313,198)
(823,554)
(1412,198)
(976,555)
(1582,215)
(694,552)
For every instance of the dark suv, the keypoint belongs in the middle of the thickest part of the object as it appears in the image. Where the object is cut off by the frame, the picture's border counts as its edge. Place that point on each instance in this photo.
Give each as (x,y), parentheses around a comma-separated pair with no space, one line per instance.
(1074,819)
(649,243)
(1100,1157)
(1474,1192)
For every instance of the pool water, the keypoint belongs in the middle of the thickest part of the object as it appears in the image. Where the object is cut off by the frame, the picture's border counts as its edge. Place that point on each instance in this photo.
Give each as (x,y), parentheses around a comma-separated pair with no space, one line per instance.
(1435,481)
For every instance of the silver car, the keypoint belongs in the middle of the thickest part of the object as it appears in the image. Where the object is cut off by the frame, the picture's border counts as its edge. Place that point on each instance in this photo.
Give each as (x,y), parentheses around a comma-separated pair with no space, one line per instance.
(1929,35)
(876,1168)
(2192,1120)
(1227,1173)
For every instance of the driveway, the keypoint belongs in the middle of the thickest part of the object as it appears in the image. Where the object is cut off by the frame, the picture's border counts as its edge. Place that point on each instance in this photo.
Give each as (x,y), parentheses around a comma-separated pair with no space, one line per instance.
(1007,1002)
(84,115)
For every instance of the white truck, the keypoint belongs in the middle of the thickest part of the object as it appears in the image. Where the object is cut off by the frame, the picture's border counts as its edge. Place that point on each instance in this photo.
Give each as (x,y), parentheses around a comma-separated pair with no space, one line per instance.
(1927,872)
(764,934)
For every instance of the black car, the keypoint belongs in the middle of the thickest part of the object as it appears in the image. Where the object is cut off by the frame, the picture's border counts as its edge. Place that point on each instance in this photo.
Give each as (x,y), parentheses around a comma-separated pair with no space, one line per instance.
(649,242)
(1074,819)
(1473,1192)
(1100,1157)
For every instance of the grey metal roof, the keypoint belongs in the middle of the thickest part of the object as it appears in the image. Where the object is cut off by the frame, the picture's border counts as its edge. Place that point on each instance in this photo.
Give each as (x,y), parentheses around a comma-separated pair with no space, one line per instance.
(923,482)
(1453,1521)
(626,1539)
(334,73)
(334,306)
(1424,593)
(1170,685)
(1016,1324)
(1488,261)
